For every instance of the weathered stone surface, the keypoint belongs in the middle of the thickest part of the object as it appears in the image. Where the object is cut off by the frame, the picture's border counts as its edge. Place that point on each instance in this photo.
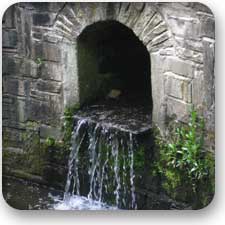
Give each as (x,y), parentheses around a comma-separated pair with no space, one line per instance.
(143,20)
(188,54)
(178,87)
(178,108)
(52,38)
(8,20)
(209,60)
(154,21)
(185,27)
(40,67)
(43,19)
(48,131)
(48,86)
(178,66)
(29,68)
(10,64)
(44,112)
(13,137)
(158,95)
(155,32)
(188,44)
(46,51)
(174,87)
(15,111)
(207,26)
(124,12)
(9,39)
(15,86)
(51,71)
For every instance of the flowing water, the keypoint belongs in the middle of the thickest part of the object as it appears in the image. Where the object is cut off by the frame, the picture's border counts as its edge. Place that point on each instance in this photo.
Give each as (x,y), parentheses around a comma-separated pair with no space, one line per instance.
(105,149)
(101,166)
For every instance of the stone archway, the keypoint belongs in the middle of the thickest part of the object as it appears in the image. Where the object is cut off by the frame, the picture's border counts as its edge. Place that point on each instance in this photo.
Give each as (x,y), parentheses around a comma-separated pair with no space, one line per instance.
(142,18)
(111,57)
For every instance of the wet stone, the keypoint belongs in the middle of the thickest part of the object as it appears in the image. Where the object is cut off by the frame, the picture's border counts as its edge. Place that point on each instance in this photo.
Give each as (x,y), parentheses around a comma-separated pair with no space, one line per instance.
(135,120)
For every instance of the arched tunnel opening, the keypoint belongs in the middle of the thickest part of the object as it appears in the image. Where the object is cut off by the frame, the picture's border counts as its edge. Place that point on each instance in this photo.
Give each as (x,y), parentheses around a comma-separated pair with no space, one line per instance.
(114,75)
(113,64)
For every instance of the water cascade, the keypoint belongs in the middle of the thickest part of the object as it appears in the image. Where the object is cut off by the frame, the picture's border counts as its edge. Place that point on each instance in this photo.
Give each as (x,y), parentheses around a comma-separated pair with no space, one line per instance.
(101,164)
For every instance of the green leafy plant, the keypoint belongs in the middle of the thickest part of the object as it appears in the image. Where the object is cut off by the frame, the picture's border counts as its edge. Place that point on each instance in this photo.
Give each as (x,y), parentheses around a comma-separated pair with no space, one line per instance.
(39,61)
(50,141)
(187,169)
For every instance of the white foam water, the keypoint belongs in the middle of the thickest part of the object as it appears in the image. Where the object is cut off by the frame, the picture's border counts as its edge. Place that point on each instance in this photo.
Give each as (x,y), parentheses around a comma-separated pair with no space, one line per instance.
(107,153)
(76,202)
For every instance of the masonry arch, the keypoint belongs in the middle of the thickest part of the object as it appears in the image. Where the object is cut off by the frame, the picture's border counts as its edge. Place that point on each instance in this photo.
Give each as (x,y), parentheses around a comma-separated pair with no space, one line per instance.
(143,19)
(111,57)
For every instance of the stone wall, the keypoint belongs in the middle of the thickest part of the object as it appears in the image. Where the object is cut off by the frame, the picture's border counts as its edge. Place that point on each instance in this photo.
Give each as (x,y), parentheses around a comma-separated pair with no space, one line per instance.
(41,76)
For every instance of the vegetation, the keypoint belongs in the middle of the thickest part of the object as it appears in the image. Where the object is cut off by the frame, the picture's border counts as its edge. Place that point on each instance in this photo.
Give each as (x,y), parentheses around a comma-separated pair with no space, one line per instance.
(185,166)
(39,61)
(68,124)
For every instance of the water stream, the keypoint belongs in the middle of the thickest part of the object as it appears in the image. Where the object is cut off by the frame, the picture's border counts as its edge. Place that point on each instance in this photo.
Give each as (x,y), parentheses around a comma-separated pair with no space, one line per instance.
(101,162)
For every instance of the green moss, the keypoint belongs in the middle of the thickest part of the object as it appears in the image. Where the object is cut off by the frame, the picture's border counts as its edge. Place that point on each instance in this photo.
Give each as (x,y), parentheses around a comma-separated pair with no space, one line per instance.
(139,160)
(68,124)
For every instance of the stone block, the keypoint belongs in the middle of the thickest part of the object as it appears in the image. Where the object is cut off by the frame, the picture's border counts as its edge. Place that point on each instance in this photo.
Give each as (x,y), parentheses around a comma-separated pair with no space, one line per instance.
(174,87)
(48,86)
(188,54)
(146,15)
(29,68)
(43,19)
(46,112)
(15,86)
(187,91)
(8,20)
(188,44)
(203,83)
(178,66)
(10,65)
(178,87)
(178,108)
(9,38)
(13,137)
(185,27)
(207,26)
(154,33)
(15,111)
(52,38)
(37,35)
(155,20)
(51,71)
(158,95)
(43,6)
(48,131)
(46,51)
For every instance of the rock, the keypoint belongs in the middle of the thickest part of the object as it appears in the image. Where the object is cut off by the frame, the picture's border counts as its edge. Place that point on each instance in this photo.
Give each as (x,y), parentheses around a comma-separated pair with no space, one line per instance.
(114,94)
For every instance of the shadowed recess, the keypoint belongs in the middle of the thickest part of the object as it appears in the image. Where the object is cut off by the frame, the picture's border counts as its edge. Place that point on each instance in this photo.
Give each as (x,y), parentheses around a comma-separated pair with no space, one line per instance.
(110,56)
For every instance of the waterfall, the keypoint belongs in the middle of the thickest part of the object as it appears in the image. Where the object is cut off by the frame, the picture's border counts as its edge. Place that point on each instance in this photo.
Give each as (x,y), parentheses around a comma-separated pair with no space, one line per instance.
(109,164)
